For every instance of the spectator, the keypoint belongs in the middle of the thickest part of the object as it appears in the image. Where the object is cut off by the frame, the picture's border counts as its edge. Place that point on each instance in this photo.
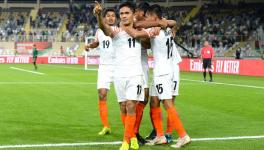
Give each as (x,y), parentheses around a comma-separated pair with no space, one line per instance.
(238,53)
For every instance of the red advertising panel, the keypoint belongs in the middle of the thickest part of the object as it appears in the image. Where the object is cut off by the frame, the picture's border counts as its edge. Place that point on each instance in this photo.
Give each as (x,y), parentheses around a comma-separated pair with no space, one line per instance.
(226,66)
(252,67)
(219,66)
(14,59)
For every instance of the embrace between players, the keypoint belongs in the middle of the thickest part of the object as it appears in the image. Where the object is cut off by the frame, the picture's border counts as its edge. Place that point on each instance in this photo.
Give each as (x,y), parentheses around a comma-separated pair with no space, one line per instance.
(124,61)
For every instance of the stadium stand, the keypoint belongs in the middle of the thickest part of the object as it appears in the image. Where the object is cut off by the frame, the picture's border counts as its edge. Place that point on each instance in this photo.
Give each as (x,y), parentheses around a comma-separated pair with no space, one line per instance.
(12,22)
(228,27)
(81,22)
(47,23)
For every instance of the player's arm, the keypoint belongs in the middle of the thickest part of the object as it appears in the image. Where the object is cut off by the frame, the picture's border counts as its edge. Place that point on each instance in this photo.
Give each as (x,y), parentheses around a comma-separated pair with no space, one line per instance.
(136,33)
(171,23)
(163,23)
(102,25)
(94,44)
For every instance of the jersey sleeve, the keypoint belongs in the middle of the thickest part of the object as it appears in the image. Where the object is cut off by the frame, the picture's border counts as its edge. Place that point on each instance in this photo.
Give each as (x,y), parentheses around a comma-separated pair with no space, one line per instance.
(96,39)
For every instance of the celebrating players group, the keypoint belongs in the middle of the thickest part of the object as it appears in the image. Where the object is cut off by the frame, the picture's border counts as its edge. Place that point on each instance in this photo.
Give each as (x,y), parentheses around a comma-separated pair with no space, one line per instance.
(124,61)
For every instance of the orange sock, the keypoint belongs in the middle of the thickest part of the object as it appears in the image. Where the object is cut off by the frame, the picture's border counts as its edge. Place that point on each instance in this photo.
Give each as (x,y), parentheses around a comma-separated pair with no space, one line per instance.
(129,126)
(169,124)
(123,118)
(139,113)
(103,113)
(175,121)
(157,120)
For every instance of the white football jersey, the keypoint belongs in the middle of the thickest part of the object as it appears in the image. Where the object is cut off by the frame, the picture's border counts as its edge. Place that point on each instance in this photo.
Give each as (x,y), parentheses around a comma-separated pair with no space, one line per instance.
(106,48)
(176,57)
(127,54)
(161,45)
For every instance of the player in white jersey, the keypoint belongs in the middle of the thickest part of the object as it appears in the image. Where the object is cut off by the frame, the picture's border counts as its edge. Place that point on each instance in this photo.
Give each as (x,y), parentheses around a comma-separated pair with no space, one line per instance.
(105,71)
(161,46)
(128,76)
(176,60)
(139,16)
(162,49)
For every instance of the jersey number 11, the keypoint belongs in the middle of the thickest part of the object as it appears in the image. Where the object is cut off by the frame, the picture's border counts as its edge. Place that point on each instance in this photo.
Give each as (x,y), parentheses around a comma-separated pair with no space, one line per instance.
(132,42)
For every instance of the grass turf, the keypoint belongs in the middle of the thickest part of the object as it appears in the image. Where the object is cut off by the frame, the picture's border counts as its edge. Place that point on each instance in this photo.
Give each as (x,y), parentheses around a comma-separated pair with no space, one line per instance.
(61,107)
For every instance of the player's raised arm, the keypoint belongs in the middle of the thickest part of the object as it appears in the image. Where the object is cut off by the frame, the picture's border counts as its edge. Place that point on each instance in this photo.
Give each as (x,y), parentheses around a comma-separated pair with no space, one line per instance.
(102,25)
(93,44)
(136,33)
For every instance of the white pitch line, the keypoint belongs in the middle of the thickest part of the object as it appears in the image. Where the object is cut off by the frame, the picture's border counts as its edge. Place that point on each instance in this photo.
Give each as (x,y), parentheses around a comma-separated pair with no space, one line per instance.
(119,142)
(229,138)
(76,68)
(231,84)
(51,83)
(58,145)
(40,73)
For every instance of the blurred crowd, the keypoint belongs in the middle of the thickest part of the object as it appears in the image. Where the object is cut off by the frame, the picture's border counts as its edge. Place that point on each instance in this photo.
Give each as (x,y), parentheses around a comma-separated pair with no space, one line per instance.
(222,24)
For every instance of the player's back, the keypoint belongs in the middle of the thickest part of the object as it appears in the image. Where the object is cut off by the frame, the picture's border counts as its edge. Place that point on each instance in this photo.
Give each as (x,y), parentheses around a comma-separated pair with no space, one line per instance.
(161,45)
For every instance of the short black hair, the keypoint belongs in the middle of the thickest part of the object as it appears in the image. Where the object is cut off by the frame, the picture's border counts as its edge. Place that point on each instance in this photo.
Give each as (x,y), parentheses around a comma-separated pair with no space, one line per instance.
(143,6)
(108,10)
(129,5)
(155,9)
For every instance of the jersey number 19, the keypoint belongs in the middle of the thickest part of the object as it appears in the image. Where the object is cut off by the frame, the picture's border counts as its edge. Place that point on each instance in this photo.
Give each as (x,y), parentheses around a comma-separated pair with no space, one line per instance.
(106,43)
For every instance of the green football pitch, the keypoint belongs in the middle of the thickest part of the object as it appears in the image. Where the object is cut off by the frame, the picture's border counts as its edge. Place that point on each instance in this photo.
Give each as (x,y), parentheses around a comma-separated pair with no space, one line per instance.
(60,105)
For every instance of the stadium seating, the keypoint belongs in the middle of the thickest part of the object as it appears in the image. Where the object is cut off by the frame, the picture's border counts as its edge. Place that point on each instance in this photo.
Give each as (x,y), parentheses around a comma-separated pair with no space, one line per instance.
(227,27)
(12,21)
(47,23)
(223,25)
